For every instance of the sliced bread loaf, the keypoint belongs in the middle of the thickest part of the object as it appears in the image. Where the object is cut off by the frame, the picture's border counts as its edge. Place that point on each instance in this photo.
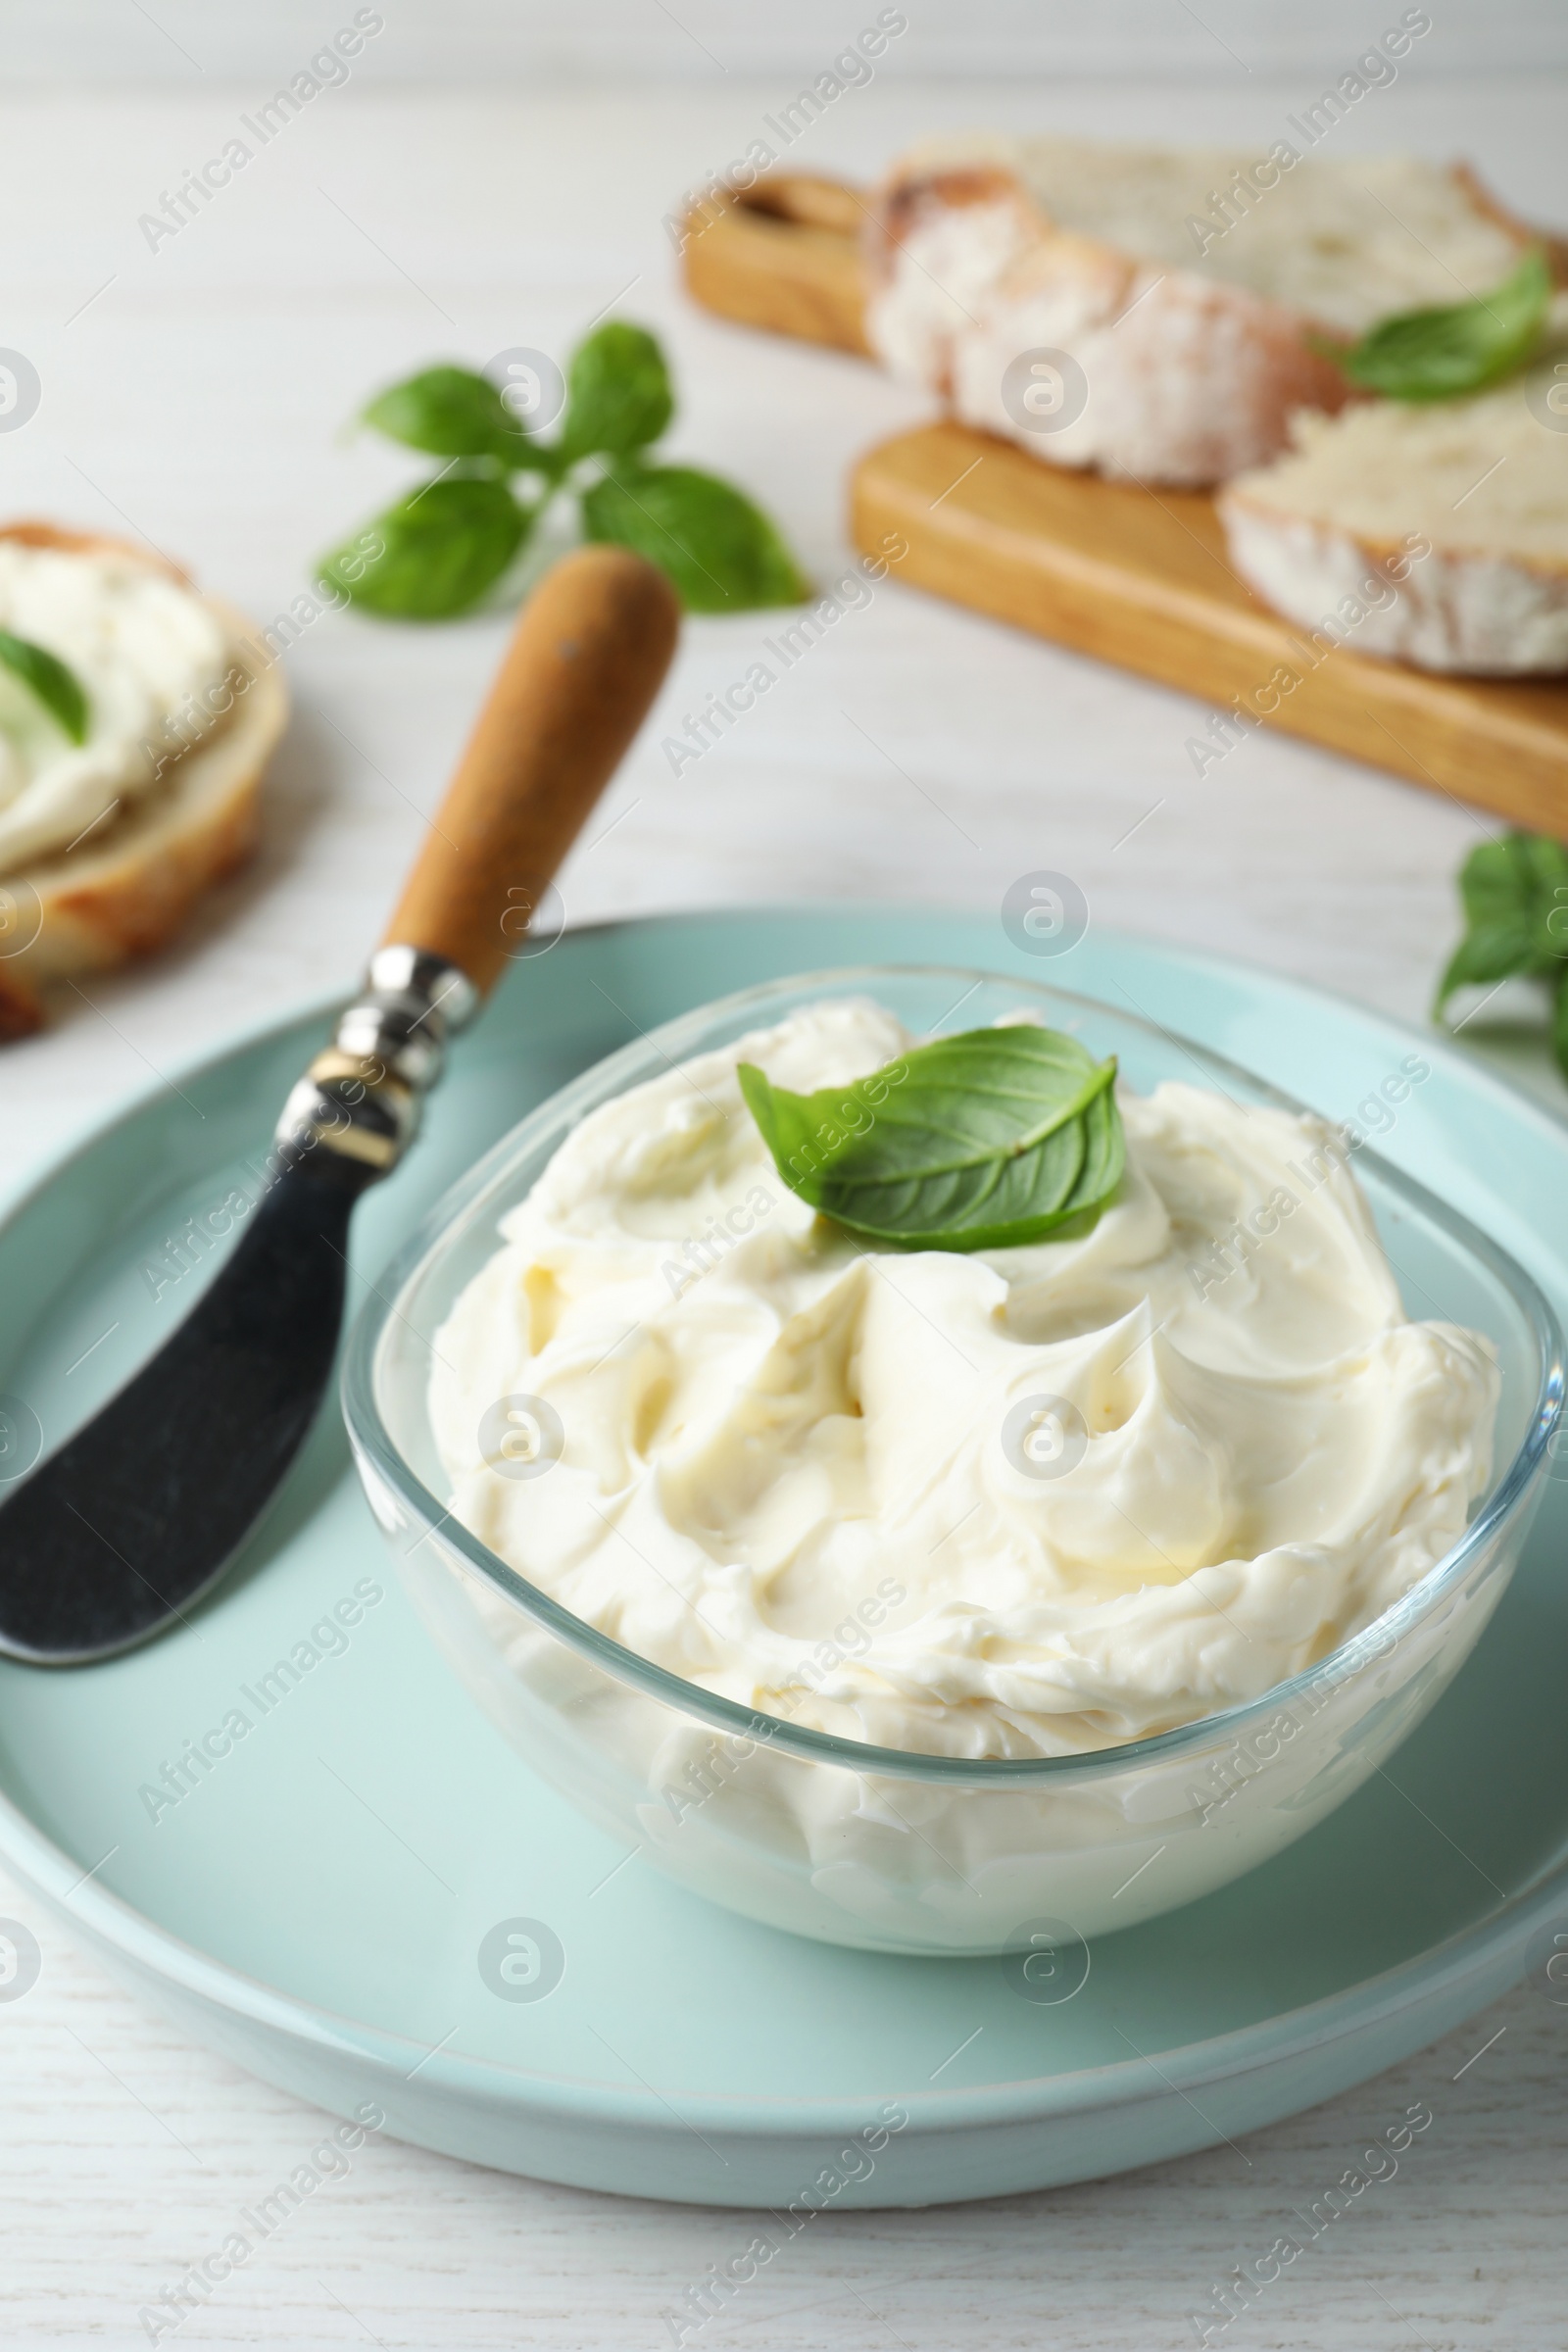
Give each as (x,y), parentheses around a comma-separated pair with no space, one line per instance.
(1482,483)
(1183,290)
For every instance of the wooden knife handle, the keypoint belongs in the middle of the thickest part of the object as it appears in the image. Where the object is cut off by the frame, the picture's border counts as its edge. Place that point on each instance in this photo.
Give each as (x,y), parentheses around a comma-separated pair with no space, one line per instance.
(588,655)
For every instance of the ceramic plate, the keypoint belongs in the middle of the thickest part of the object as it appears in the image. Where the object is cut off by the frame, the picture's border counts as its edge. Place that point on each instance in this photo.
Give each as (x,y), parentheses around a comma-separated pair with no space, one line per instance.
(330,1896)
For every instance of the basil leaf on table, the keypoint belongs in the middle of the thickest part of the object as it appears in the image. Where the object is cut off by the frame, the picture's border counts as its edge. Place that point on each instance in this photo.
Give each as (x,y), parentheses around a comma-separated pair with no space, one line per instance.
(1520,873)
(618,395)
(721,552)
(1515,896)
(1440,354)
(1488,953)
(441,548)
(978,1142)
(453,413)
(444,545)
(49,682)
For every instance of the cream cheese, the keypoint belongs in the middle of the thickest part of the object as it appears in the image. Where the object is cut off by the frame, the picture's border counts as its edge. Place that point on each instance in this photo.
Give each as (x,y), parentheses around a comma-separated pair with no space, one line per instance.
(1027,1501)
(151,657)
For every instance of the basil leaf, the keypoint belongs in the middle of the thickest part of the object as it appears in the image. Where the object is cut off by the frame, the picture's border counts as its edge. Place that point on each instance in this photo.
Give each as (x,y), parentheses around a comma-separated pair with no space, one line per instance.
(721,552)
(1559,1024)
(453,413)
(1497,880)
(1491,952)
(49,682)
(440,549)
(618,396)
(1515,875)
(1515,896)
(979,1142)
(1440,354)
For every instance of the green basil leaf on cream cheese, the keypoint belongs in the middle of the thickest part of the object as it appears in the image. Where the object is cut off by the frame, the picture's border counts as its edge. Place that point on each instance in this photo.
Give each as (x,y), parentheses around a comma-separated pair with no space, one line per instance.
(982,1141)
(49,681)
(1440,353)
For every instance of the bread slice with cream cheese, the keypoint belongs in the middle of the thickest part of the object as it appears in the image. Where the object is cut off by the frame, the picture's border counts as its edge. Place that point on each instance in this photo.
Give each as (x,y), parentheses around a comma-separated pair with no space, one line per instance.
(1185,290)
(125,887)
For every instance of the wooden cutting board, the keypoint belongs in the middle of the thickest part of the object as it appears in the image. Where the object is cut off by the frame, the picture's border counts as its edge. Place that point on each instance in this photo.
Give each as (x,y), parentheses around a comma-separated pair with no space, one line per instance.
(1139,577)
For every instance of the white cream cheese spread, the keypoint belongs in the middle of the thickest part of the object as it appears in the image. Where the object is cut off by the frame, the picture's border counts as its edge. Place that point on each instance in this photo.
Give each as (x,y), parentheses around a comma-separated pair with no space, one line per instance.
(151,658)
(1026,1501)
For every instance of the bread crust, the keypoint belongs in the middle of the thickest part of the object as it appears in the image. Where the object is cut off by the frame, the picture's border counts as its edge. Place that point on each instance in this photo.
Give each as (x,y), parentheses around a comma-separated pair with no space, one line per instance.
(129,886)
(934,240)
(1188,381)
(1454,611)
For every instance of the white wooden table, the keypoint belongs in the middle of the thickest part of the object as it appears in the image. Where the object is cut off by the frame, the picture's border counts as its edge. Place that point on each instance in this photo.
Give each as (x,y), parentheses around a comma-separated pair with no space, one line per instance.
(195,394)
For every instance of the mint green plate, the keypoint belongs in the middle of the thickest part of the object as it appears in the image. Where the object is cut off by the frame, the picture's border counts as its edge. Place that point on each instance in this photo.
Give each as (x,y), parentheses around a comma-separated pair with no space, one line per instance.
(330,1899)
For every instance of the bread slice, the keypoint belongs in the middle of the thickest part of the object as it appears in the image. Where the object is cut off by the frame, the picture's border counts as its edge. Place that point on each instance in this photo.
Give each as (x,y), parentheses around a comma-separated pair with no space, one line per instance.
(131,883)
(1482,484)
(1185,293)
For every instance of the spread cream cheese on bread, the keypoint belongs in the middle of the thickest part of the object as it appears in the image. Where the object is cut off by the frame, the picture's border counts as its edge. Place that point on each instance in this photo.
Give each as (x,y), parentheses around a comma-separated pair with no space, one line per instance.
(151,657)
(105,848)
(1025,1502)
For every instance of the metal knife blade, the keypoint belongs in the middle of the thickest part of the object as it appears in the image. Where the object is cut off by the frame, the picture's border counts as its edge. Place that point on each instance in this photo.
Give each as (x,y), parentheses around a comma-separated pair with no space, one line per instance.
(124,1529)
(145,1507)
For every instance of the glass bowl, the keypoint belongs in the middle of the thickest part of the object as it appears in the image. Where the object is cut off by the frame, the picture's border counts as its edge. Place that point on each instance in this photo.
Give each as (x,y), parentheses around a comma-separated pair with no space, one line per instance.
(881,1847)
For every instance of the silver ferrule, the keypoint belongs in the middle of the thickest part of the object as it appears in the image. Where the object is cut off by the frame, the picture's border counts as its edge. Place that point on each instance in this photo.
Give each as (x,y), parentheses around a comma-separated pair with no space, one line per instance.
(362,1096)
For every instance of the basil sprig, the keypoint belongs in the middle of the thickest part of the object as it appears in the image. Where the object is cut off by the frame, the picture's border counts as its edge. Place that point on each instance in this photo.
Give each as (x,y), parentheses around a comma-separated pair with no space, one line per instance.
(1515,896)
(1440,354)
(445,546)
(979,1142)
(49,681)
